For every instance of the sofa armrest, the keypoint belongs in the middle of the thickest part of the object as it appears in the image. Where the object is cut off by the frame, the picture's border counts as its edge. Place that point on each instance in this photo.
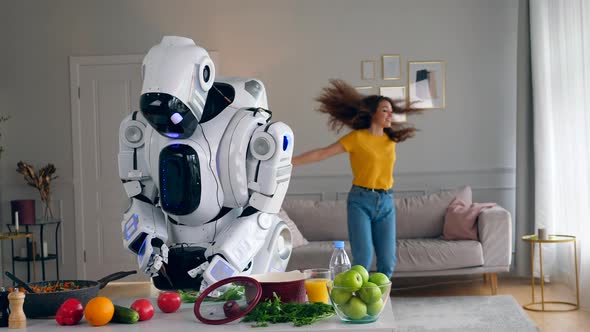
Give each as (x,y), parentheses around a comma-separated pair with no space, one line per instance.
(495,235)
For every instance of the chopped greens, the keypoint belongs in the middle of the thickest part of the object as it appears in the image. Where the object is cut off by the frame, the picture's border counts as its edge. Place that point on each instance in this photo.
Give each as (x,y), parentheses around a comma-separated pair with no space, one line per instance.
(300,314)
(234,293)
(188,296)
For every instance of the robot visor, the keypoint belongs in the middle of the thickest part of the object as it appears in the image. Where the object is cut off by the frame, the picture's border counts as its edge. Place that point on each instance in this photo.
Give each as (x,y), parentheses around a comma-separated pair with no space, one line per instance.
(168,115)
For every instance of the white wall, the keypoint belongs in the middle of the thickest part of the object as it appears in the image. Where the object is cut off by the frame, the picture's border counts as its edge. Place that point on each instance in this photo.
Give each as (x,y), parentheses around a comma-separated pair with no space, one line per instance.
(295,47)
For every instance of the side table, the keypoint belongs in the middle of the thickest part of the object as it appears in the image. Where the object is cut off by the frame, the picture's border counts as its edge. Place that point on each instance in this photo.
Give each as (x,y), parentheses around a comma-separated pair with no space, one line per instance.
(43,256)
(532,239)
(19,235)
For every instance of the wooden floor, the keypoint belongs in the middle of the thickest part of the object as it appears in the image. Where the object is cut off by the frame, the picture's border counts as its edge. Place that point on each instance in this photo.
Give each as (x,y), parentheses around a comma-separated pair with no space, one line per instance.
(520,288)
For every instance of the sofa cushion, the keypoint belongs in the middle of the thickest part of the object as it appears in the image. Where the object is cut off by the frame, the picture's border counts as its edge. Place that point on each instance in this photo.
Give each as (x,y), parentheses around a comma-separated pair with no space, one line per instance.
(319,221)
(297,239)
(423,216)
(316,254)
(461,220)
(412,255)
(437,254)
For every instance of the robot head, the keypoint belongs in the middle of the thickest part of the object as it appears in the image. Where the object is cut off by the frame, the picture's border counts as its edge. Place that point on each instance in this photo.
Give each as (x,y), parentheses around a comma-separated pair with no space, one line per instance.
(177,75)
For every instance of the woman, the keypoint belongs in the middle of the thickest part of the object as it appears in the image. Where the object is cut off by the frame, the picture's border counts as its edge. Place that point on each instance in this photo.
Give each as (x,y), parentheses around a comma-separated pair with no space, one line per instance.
(371,146)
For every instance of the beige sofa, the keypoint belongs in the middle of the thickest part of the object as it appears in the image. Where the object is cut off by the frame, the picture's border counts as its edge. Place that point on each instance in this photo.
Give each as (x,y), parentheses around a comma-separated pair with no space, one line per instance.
(420,249)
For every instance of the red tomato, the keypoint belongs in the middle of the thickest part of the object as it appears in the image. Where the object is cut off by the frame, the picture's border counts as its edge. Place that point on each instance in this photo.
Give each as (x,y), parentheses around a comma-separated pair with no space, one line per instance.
(69,313)
(169,301)
(144,308)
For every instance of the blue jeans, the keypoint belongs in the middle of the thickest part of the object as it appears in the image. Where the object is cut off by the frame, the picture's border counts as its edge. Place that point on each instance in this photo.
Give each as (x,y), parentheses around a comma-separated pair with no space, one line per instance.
(371,223)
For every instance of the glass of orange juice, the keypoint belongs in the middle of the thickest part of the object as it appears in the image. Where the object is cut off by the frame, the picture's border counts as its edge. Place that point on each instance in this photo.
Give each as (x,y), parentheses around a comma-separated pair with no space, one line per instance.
(315,285)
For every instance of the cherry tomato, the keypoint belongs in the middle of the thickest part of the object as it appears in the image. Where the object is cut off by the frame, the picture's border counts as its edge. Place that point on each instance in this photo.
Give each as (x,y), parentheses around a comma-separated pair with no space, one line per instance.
(144,308)
(169,301)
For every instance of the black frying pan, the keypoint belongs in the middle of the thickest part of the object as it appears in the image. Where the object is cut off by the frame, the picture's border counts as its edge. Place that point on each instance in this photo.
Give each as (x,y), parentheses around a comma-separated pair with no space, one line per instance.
(46,304)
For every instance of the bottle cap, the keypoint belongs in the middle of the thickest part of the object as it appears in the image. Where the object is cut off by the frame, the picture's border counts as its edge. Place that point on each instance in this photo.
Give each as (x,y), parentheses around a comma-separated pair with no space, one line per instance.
(338,244)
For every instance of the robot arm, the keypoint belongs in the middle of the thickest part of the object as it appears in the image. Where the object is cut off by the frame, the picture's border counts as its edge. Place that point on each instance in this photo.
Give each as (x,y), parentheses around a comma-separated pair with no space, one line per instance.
(133,167)
(145,234)
(269,161)
(144,224)
(257,241)
(266,149)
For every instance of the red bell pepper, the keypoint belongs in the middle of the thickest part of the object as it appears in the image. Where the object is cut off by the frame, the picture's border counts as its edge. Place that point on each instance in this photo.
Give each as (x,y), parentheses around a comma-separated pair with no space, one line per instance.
(70,312)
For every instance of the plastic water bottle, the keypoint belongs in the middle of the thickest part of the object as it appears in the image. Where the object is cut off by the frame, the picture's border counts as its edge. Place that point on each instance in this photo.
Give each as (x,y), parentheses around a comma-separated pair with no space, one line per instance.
(339,261)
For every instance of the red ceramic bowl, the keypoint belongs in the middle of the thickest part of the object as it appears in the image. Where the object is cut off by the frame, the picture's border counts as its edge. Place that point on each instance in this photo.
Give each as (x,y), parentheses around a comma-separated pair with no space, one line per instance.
(289,286)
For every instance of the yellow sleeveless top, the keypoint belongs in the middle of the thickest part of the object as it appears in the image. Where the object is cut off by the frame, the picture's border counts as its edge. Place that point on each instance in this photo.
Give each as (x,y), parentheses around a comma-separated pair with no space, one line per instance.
(372,158)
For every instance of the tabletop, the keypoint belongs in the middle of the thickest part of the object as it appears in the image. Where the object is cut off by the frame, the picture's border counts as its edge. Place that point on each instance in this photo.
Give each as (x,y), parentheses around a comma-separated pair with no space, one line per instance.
(554,238)
(15,235)
(184,320)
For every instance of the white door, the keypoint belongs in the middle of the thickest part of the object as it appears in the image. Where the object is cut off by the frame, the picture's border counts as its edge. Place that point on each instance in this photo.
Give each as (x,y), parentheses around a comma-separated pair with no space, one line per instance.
(104,90)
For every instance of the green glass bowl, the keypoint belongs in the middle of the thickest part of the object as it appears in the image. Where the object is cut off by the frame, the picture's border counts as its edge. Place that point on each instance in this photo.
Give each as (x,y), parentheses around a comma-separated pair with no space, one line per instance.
(363,305)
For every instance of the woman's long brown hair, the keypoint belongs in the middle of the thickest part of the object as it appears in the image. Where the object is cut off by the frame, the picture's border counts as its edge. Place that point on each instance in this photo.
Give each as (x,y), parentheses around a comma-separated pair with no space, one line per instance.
(347,107)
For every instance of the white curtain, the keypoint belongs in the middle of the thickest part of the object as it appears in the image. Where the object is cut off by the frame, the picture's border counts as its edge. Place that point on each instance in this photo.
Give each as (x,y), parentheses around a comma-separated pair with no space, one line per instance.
(560,59)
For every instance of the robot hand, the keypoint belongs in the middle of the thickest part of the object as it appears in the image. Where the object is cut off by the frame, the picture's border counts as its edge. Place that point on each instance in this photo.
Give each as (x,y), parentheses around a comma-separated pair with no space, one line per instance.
(252,244)
(197,271)
(152,255)
(144,234)
(214,271)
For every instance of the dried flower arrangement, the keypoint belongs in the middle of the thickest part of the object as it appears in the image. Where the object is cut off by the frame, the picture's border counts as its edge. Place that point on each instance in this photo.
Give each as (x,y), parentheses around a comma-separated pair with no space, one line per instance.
(41,181)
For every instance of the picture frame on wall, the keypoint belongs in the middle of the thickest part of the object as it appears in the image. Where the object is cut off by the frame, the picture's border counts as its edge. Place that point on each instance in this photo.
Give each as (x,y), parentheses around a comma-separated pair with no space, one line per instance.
(368,70)
(391,66)
(398,95)
(426,84)
(366,90)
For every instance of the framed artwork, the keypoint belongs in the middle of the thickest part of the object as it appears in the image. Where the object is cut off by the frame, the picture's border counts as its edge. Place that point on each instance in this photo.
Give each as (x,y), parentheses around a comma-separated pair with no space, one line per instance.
(366,90)
(368,69)
(398,94)
(426,84)
(391,67)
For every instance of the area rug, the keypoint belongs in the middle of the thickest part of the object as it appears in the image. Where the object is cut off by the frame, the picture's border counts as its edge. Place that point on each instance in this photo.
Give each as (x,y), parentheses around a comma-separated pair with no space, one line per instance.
(460,313)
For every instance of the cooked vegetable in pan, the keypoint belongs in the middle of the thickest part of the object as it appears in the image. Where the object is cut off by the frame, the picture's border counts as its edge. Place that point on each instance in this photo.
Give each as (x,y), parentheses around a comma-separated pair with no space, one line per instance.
(51,287)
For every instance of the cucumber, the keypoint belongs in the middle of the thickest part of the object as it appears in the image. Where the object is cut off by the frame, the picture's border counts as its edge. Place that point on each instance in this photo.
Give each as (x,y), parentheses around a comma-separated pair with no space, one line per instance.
(125,315)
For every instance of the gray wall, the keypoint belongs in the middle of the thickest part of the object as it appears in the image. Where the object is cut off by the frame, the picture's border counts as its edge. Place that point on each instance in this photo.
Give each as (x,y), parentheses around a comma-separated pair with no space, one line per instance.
(295,47)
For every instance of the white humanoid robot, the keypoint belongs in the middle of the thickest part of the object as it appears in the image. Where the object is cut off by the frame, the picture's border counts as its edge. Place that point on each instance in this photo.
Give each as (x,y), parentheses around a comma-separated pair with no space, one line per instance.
(206,172)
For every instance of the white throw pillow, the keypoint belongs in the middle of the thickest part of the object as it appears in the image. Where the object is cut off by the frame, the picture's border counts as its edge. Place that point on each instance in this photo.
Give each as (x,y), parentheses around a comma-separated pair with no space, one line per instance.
(296,236)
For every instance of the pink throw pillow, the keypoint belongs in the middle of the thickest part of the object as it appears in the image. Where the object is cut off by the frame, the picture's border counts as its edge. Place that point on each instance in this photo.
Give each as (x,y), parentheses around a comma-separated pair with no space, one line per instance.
(461,220)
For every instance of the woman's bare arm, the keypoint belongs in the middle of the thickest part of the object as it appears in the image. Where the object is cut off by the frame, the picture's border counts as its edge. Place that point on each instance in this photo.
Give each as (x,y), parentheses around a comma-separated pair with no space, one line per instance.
(318,154)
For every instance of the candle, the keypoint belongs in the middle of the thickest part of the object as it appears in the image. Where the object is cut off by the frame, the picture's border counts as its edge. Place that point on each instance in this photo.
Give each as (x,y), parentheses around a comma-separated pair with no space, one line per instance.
(542,234)
(16,221)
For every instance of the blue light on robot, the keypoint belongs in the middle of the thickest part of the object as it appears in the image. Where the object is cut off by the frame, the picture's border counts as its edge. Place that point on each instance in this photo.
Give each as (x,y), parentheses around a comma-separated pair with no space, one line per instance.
(285,142)
(172,135)
(131,226)
(141,251)
(164,189)
(176,118)
(221,270)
